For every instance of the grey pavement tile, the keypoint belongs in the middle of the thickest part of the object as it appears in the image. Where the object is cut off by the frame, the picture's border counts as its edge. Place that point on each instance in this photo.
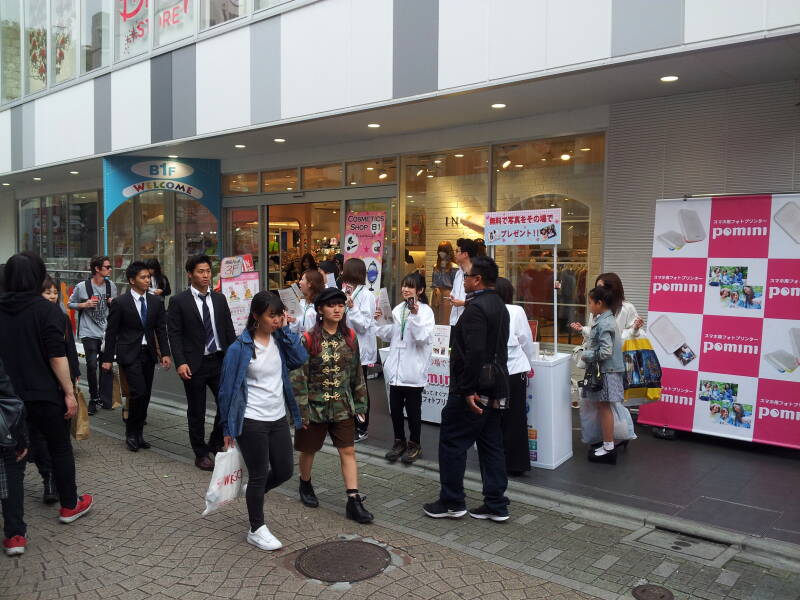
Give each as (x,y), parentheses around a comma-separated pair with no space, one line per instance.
(548,555)
(665,569)
(605,562)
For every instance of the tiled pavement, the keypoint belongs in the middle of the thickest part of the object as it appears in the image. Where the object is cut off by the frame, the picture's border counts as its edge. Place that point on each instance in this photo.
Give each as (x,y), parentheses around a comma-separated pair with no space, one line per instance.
(146,539)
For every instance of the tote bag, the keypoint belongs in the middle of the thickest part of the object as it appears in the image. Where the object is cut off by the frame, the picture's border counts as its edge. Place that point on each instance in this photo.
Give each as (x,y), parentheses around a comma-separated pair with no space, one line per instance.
(642,372)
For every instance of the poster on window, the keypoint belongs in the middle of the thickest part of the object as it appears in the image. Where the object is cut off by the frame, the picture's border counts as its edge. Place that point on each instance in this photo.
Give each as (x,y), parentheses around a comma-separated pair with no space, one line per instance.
(523,227)
(725,317)
(239,292)
(364,234)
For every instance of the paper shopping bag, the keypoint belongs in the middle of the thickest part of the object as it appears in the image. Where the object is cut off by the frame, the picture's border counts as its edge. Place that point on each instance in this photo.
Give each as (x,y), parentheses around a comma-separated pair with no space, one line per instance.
(79,426)
(227,480)
(642,372)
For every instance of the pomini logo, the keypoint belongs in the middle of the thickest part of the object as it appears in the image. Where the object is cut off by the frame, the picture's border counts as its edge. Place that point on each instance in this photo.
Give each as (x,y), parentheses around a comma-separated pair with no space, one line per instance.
(738,232)
(677,287)
(775,290)
(783,413)
(676,399)
(729,347)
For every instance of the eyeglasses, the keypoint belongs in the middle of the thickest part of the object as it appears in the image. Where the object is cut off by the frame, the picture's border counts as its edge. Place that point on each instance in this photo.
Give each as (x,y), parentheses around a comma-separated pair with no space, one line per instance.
(473,275)
(106,267)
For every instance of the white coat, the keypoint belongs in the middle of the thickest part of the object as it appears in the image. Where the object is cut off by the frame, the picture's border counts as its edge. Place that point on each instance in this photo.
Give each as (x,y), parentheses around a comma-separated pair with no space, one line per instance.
(409,352)
(361,318)
(306,320)
(520,341)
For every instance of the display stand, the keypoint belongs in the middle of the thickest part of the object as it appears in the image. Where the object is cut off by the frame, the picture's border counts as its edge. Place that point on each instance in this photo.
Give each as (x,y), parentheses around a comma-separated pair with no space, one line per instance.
(549,412)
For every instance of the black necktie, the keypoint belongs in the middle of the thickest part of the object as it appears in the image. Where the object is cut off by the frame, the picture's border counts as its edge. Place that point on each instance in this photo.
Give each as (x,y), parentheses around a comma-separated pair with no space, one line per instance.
(143,302)
(211,345)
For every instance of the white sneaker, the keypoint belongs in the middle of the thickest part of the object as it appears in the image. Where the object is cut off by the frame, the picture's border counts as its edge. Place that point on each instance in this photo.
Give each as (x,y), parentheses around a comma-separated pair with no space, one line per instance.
(262,538)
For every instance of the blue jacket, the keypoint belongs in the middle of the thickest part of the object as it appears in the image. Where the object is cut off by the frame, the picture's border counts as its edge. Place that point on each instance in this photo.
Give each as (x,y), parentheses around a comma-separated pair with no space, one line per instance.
(232,396)
(604,344)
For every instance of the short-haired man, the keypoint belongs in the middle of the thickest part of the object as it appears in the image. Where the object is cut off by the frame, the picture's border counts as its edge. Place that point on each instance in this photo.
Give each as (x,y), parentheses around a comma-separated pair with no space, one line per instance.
(200,331)
(136,334)
(466,250)
(472,412)
(91,299)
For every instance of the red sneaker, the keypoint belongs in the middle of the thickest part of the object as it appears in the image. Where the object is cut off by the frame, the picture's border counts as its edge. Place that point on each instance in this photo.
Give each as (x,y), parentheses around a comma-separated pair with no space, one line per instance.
(68,515)
(15,545)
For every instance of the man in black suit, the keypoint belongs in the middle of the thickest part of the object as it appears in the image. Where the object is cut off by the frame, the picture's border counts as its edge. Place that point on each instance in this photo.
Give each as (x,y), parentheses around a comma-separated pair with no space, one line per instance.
(200,330)
(136,334)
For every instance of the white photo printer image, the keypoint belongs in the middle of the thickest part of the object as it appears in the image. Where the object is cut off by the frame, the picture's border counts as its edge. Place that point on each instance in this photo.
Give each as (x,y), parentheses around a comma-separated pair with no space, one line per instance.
(691,227)
(782,360)
(671,339)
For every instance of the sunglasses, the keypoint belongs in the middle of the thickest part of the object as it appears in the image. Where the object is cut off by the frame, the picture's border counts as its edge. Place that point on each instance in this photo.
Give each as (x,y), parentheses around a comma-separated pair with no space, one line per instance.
(475,275)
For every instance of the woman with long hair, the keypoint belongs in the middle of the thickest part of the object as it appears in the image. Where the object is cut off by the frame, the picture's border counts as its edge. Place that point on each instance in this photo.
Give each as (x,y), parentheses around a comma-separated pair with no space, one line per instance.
(360,317)
(311,284)
(330,390)
(444,272)
(159,284)
(254,392)
(410,335)
(521,354)
(308,262)
(628,321)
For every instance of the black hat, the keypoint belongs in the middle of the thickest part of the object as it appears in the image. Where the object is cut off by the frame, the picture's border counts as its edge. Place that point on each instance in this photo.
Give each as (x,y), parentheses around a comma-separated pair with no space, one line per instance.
(329,295)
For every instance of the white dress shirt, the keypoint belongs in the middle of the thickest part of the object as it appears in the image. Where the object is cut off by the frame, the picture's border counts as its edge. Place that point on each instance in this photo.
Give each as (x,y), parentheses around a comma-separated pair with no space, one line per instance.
(520,341)
(459,294)
(199,303)
(136,295)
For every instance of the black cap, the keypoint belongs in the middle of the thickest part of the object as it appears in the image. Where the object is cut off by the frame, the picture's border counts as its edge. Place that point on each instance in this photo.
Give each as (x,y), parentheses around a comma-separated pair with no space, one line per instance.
(328,296)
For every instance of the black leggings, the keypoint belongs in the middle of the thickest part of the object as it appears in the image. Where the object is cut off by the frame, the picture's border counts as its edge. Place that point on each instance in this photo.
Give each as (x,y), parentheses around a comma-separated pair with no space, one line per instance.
(266,447)
(410,398)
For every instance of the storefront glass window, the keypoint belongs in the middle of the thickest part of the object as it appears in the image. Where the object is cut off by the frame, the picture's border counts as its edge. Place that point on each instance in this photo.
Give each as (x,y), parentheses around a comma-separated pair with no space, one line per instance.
(195,233)
(283,180)
(216,12)
(82,230)
(447,194)
(244,233)
(30,225)
(155,229)
(323,176)
(175,20)
(64,39)
(566,173)
(96,32)
(371,172)
(55,250)
(262,4)
(121,242)
(35,45)
(132,28)
(241,183)
(10,51)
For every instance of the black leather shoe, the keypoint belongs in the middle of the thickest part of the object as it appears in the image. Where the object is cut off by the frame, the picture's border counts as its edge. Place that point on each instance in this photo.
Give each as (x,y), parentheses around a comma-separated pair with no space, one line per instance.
(355,510)
(50,495)
(307,495)
(142,443)
(92,408)
(132,441)
(609,458)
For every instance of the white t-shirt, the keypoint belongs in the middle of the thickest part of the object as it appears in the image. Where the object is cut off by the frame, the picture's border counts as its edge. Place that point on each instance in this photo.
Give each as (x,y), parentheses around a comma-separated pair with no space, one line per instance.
(265,400)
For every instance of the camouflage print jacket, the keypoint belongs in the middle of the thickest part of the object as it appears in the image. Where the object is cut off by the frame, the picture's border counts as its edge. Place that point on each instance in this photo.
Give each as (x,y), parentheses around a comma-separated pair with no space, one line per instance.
(330,387)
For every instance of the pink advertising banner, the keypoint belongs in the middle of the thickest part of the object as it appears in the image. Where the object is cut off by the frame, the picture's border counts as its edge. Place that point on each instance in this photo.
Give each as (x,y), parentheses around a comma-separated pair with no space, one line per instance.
(725,317)
(364,234)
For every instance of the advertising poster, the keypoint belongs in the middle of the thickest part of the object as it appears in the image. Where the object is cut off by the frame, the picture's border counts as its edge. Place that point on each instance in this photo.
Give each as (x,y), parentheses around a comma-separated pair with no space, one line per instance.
(523,227)
(239,292)
(725,317)
(364,234)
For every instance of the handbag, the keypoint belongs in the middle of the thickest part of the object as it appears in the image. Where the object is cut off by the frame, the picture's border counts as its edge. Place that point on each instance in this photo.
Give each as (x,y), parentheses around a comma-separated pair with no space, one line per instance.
(491,373)
(593,377)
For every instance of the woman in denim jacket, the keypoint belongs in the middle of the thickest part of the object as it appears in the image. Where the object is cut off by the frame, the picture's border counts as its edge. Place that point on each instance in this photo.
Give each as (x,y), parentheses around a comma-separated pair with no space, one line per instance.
(254,392)
(604,346)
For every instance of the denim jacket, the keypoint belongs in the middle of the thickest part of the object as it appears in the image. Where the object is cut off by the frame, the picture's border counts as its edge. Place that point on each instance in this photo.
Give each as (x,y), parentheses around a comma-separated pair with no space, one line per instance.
(232,396)
(604,344)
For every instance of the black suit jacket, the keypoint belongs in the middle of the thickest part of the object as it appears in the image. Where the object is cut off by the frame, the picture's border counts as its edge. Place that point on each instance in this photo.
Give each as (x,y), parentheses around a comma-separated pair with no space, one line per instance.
(125,329)
(187,336)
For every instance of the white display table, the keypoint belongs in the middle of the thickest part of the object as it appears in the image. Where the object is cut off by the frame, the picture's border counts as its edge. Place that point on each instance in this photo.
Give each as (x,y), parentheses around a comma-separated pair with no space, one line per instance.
(548,397)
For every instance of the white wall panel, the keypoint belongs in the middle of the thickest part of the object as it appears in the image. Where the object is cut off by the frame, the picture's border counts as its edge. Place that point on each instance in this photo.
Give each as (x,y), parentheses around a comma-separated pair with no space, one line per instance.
(369,64)
(711,19)
(463,42)
(5,141)
(130,106)
(516,37)
(65,124)
(314,54)
(578,31)
(223,81)
(782,13)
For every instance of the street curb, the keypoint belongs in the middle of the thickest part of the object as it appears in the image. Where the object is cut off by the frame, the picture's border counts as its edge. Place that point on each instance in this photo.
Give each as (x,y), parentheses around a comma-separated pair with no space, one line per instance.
(766,551)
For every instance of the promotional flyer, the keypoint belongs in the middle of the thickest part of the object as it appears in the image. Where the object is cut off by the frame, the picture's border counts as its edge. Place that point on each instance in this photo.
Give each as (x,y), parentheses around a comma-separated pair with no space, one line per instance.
(725,317)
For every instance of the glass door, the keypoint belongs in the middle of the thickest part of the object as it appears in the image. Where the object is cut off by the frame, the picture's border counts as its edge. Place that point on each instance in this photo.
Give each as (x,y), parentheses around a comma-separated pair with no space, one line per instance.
(390,278)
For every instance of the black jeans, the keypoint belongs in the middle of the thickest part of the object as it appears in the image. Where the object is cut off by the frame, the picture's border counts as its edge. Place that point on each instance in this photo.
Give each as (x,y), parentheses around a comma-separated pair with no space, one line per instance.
(206,376)
(38,453)
(91,347)
(139,375)
(266,447)
(14,505)
(459,430)
(410,398)
(47,419)
(514,421)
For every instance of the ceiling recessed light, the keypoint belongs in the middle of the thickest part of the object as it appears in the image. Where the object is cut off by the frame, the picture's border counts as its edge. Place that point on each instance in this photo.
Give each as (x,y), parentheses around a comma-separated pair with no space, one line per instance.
(289,188)
(669,78)
(506,163)
(239,146)
(406,196)
(430,176)
(279,140)
(172,156)
(585,149)
(382,174)
(5,183)
(353,183)
(370,168)
(498,105)
(438,161)
(458,155)
(373,125)
(420,172)
(74,172)
(543,159)
(519,166)
(565,156)
(37,178)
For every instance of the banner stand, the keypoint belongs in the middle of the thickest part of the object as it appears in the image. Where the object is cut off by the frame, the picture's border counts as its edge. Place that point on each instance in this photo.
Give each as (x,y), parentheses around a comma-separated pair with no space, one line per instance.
(555,299)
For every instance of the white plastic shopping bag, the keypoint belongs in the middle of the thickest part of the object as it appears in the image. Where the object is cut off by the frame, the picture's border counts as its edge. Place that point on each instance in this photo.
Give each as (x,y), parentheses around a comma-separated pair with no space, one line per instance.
(623,423)
(227,480)
(591,432)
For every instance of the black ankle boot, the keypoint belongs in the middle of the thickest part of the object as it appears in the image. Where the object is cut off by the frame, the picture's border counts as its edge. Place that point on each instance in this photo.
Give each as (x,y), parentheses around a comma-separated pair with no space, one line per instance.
(397,450)
(355,510)
(307,495)
(50,495)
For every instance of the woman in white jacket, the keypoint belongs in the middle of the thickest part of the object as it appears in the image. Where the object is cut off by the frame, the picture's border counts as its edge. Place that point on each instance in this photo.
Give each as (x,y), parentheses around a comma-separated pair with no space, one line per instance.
(629,323)
(360,318)
(406,369)
(514,420)
(311,284)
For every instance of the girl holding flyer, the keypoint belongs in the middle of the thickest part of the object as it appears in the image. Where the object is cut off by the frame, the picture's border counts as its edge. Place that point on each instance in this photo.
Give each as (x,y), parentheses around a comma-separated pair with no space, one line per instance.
(311,284)
(411,340)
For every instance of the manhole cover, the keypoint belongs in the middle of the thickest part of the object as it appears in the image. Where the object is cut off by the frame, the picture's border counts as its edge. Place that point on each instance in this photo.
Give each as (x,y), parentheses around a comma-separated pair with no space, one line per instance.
(342,561)
(651,592)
